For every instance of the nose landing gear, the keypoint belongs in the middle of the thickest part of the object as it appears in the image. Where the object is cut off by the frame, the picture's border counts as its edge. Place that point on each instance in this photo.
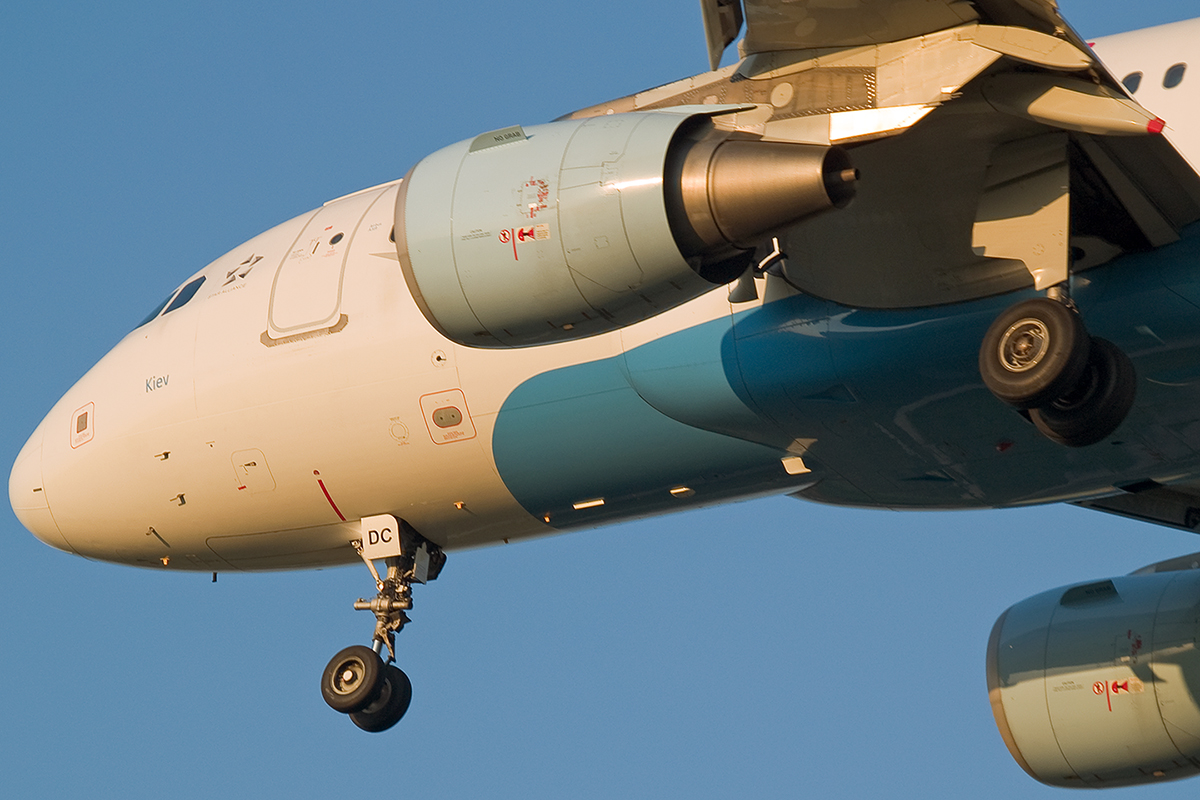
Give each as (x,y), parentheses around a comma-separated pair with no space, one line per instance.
(352,679)
(357,682)
(395,694)
(1038,356)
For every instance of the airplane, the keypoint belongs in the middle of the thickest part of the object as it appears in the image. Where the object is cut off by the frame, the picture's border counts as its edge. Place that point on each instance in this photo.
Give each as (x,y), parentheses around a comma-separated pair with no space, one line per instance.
(547,383)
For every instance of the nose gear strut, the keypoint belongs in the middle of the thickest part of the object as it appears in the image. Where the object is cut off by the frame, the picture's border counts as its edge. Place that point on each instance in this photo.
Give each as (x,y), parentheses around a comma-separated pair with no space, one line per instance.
(376,694)
(389,604)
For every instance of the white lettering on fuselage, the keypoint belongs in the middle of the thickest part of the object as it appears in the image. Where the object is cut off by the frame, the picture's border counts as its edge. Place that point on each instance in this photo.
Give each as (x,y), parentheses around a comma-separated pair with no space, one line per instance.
(157,382)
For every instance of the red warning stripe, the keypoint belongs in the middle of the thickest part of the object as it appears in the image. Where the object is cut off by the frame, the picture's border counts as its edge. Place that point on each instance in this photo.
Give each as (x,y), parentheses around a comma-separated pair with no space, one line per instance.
(332,504)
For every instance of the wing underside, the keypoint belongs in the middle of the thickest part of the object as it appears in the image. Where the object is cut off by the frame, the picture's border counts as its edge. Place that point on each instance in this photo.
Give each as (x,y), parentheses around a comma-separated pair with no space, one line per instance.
(996,151)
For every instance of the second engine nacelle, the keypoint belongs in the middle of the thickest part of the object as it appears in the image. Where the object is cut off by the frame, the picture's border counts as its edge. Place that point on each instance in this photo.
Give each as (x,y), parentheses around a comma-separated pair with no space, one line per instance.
(530,236)
(1097,685)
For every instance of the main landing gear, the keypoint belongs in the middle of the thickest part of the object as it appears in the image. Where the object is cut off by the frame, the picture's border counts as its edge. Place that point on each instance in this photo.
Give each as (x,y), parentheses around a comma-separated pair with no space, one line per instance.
(1038,357)
(357,681)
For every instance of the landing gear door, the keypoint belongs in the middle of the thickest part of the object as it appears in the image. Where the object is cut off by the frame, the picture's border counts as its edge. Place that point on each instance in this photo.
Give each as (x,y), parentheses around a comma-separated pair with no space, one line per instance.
(380,537)
(421,564)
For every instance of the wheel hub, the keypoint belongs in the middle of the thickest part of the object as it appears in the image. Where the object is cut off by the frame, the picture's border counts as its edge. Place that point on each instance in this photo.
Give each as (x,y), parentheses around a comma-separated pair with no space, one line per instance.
(1024,345)
(349,677)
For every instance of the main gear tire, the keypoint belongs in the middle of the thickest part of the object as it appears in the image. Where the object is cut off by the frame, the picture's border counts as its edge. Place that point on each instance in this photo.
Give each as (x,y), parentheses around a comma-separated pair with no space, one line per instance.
(1094,409)
(1034,352)
(353,679)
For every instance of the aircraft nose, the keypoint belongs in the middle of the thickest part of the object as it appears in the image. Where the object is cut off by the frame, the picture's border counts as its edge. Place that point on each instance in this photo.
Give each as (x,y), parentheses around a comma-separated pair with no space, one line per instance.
(27,494)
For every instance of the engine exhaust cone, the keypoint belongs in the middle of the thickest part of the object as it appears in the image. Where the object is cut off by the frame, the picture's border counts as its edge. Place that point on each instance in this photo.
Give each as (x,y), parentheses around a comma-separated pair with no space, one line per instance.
(725,194)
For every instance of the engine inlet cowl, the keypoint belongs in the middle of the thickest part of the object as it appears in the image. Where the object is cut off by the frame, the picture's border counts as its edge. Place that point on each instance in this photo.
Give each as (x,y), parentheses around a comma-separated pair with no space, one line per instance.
(529,236)
(1096,685)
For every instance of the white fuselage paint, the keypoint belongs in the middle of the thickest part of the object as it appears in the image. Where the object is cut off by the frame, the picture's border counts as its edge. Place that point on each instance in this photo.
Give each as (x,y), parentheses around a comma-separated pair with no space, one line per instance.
(1152,52)
(299,386)
(218,428)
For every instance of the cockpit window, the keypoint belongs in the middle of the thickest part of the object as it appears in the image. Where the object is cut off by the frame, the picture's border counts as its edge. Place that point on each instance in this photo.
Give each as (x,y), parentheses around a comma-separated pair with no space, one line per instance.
(1174,76)
(185,294)
(1133,82)
(157,310)
(176,299)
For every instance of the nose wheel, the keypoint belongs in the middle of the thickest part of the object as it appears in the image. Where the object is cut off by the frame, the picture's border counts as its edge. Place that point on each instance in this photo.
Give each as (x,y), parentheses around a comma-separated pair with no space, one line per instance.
(352,679)
(395,693)
(358,682)
(1037,356)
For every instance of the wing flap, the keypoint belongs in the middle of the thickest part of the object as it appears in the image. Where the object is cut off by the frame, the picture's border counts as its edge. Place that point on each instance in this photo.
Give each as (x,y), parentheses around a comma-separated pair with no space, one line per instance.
(1170,506)
(806,24)
(722,21)
(817,24)
(1033,47)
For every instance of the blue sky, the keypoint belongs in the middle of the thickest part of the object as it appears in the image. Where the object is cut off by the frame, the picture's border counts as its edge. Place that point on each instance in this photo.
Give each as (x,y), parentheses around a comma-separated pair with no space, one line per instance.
(765,649)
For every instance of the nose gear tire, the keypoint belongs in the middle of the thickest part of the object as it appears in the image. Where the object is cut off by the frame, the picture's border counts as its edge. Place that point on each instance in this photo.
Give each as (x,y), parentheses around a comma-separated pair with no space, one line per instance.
(391,704)
(1034,352)
(353,679)
(1098,404)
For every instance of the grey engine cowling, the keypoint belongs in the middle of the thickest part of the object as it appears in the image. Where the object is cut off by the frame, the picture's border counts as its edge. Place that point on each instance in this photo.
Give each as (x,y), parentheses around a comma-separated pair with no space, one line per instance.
(573,228)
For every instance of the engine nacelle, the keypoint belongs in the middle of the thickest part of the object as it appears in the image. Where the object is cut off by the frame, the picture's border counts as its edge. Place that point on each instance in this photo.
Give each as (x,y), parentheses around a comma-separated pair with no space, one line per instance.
(1097,685)
(573,228)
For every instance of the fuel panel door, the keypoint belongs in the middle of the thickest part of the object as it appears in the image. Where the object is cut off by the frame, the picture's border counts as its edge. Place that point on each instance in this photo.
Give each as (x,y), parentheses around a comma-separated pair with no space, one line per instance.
(306,295)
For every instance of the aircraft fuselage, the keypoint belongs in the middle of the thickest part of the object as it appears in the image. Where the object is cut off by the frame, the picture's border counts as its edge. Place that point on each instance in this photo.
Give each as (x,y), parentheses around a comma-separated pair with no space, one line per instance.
(300,388)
